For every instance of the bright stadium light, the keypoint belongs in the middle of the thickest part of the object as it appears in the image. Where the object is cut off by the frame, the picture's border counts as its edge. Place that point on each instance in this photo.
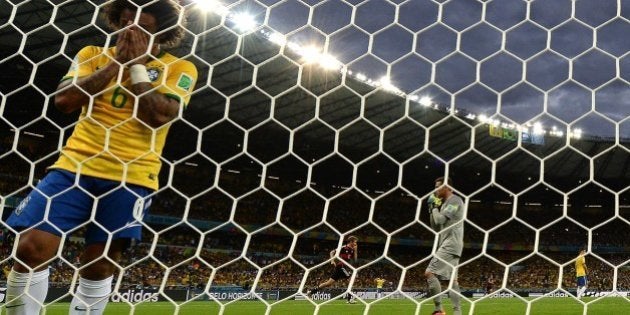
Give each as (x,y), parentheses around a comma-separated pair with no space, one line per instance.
(243,21)
(538,129)
(277,38)
(329,62)
(310,54)
(426,101)
(386,83)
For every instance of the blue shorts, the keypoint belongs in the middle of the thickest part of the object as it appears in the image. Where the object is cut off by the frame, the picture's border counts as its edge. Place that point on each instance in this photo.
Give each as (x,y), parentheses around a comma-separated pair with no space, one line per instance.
(118,211)
(581,281)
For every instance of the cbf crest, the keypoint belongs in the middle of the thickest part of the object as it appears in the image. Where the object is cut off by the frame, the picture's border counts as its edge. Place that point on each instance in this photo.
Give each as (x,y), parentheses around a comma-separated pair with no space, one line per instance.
(154,74)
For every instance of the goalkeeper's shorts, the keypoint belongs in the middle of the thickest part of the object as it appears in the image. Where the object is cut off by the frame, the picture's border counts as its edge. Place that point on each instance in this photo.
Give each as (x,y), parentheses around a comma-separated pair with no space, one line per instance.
(441,265)
(119,209)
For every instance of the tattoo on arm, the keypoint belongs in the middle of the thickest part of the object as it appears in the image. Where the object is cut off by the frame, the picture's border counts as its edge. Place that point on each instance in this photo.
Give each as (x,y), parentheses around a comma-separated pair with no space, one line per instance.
(155,108)
(73,96)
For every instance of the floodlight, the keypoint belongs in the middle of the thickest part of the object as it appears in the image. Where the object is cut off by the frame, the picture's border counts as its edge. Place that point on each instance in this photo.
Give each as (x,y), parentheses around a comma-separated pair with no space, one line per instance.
(243,21)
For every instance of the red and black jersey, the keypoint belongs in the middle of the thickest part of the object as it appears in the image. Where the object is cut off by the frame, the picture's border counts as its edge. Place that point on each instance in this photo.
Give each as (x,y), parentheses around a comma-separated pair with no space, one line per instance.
(346,253)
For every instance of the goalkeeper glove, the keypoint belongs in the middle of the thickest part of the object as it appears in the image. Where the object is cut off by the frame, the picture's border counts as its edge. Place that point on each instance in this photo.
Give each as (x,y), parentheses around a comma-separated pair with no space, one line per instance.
(434,201)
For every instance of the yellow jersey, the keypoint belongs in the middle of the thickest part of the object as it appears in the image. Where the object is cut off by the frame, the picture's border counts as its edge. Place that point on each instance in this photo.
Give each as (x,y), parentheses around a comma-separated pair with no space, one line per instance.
(580,266)
(379,283)
(107,142)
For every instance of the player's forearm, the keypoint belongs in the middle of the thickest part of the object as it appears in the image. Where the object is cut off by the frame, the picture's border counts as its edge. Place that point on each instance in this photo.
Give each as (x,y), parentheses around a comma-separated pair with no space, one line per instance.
(437,217)
(154,108)
(72,96)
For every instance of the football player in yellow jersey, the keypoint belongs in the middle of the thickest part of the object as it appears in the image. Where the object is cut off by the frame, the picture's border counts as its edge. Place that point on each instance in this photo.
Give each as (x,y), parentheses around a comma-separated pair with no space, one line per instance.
(580,273)
(128,95)
(379,286)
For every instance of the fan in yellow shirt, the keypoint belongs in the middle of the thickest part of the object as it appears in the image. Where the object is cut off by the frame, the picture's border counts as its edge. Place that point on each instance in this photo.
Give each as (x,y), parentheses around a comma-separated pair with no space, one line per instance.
(106,172)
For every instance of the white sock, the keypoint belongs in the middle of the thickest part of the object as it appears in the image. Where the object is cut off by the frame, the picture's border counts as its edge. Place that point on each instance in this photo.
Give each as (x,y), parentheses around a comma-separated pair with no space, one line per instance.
(26,292)
(91,296)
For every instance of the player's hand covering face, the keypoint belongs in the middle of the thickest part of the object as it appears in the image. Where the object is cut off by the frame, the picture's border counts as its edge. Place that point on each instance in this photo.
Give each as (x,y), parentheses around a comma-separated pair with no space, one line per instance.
(434,201)
(132,45)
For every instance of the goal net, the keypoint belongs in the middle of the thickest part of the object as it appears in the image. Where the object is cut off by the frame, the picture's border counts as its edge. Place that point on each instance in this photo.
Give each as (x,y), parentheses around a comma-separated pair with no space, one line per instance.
(313,120)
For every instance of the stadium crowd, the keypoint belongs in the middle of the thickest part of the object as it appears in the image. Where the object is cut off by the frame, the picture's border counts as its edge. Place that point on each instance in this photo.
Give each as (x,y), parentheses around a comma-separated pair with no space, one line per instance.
(203,246)
(173,264)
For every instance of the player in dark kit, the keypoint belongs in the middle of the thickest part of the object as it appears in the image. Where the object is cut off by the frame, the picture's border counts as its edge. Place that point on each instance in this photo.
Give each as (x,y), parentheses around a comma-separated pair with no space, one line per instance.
(347,253)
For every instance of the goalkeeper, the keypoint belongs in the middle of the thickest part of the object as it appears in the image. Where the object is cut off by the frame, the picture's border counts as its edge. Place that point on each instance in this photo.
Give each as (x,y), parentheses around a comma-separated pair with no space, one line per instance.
(446,218)
(108,169)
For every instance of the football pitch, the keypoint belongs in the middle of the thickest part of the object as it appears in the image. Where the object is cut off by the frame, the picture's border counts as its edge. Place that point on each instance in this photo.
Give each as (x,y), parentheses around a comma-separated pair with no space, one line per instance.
(505,306)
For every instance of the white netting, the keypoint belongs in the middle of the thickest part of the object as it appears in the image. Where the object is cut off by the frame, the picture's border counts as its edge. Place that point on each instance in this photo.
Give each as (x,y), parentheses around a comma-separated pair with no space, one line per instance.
(315,120)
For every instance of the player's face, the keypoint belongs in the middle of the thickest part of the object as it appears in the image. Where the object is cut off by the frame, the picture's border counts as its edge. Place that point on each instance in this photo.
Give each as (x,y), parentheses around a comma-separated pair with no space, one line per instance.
(353,244)
(440,190)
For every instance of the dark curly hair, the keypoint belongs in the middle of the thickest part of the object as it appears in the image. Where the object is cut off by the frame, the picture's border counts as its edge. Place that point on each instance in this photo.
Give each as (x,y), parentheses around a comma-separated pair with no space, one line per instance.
(166,12)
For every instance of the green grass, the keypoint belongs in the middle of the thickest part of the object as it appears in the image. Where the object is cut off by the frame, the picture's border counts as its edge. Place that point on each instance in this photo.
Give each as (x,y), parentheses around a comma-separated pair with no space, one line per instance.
(505,306)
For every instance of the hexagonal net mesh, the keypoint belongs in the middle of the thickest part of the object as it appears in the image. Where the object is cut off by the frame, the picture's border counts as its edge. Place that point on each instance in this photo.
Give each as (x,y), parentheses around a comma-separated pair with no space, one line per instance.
(311,121)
